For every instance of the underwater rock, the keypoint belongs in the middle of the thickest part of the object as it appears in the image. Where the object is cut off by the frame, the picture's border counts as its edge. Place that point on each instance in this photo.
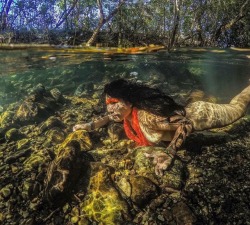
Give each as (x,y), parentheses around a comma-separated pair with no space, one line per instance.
(54,136)
(27,111)
(166,209)
(84,89)
(65,169)
(143,165)
(116,132)
(143,190)
(51,122)
(6,191)
(57,95)
(80,136)
(79,90)
(13,135)
(17,155)
(6,117)
(183,214)
(87,103)
(23,143)
(195,176)
(172,177)
(27,188)
(38,91)
(29,130)
(36,109)
(2,217)
(111,154)
(35,161)
(103,203)
(125,185)
(199,95)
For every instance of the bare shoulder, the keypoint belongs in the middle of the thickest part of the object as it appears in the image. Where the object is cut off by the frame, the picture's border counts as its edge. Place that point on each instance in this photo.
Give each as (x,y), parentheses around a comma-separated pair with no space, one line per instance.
(149,118)
(145,114)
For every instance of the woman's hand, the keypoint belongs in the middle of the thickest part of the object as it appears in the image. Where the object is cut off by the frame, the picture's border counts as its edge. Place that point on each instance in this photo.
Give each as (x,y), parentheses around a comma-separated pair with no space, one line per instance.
(161,161)
(83,126)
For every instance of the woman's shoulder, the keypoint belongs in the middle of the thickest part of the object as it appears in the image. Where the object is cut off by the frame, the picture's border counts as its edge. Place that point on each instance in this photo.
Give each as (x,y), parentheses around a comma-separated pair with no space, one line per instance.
(144,113)
(148,117)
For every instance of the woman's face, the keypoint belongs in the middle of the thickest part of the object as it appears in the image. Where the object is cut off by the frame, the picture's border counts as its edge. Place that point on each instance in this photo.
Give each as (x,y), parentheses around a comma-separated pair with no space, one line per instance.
(118,109)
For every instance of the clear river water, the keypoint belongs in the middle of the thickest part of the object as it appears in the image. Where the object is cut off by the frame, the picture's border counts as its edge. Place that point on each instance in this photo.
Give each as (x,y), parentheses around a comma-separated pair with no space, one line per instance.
(218,72)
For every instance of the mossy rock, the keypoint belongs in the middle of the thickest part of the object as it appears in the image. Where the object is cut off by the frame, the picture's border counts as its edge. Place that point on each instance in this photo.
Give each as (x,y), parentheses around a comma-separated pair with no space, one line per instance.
(172,177)
(6,191)
(103,202)
(80,136)
(54,136)
(50,123)
(23,143)
(6,118)
(65,170)
(88,104)
(36,160)
(13,134)
(140,189)
(27,111)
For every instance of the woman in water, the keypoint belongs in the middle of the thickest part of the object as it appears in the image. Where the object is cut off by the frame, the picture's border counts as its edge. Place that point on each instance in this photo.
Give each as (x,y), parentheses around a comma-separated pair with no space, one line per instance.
(150,116)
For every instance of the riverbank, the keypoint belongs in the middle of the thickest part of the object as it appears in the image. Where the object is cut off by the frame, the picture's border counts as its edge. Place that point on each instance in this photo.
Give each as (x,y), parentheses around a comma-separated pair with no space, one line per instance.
(80,49)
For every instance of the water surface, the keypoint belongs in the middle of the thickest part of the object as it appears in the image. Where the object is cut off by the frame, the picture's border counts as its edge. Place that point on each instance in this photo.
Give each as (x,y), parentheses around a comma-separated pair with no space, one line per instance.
(220,73)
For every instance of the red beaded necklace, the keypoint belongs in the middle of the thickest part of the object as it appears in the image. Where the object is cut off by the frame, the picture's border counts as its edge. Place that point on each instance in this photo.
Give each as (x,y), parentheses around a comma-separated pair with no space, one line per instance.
(133,130)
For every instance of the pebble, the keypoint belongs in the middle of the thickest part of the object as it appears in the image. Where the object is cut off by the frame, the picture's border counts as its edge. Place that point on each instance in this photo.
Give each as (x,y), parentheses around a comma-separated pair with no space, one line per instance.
(161,218)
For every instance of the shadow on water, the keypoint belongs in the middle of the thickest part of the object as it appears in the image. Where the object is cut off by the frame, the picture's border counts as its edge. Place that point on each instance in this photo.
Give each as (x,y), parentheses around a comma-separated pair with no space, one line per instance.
(220,73)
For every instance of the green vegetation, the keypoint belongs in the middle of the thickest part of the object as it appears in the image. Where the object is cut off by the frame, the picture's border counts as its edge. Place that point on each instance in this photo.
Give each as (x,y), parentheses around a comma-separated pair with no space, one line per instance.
(126,23)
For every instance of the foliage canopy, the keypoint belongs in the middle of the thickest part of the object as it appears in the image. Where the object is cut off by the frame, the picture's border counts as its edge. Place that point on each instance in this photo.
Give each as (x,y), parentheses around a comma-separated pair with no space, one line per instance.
(127,22)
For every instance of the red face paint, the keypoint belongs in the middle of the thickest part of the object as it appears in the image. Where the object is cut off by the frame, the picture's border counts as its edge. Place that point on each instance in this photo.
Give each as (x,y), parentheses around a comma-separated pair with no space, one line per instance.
(111,100)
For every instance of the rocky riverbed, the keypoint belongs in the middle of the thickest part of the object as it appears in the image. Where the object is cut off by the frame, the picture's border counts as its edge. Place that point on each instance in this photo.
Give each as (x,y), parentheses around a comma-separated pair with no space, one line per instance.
(51,175)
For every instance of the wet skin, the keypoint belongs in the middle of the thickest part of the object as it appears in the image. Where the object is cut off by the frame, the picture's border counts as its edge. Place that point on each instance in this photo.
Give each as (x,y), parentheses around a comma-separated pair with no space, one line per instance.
(119,110)
(199,116)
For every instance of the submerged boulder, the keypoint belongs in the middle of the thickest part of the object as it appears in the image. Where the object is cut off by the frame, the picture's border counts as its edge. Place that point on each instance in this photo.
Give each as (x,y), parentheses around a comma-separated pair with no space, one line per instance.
(66,168)
(103,203)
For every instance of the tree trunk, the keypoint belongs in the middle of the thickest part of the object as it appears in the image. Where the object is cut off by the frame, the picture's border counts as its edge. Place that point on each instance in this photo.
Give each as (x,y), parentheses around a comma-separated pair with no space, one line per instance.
(66,18)
(120,29)
(65,14)
(4,14)
(103,20)
(227,26)
(96,32)
(177,4)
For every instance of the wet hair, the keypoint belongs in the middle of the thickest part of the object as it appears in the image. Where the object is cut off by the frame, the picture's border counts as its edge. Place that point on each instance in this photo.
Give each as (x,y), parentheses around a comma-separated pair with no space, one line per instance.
(143,97)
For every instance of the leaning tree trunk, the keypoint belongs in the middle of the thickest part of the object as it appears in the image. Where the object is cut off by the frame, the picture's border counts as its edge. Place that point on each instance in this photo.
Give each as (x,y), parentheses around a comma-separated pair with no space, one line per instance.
(224,27)
(96,32)
(102,20)
(65,15)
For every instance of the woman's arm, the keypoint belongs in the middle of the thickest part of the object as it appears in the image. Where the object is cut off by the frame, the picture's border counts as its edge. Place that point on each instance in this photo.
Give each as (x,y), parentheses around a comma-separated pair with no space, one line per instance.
(100,122)
(182,128)
(178,124)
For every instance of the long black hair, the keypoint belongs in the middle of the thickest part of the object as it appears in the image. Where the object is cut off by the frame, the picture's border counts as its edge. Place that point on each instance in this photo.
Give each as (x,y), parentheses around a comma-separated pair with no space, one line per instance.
(143,97)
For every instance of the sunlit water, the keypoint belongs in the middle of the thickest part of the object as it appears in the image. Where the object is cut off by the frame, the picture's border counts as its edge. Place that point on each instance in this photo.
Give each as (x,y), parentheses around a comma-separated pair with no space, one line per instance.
(220,73)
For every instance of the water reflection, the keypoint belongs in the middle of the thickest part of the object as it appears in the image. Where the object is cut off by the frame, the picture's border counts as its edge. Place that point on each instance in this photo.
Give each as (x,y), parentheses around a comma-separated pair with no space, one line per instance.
(221,73)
